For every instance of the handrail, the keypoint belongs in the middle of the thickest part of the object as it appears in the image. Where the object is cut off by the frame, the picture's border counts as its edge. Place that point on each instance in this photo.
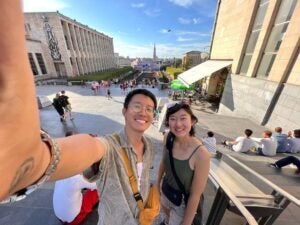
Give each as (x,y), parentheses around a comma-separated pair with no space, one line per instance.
(247,215)
(271,184)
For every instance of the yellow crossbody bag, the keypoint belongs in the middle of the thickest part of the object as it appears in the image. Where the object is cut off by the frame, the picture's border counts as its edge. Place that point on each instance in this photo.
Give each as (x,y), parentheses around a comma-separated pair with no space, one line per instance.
(151,210)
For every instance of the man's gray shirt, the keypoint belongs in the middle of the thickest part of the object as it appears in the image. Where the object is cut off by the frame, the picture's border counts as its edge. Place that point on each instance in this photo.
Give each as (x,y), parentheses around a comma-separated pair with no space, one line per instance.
(117,205)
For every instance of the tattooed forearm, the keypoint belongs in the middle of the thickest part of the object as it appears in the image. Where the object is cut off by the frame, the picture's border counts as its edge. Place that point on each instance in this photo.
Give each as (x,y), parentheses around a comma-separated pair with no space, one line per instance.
(23,170)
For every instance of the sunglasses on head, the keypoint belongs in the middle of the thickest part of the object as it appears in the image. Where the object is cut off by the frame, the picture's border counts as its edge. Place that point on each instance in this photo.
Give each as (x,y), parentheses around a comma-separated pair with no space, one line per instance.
(177,104)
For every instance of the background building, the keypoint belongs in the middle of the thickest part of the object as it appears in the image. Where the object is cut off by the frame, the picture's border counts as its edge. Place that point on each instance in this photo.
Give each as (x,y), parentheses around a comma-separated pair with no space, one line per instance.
(58,46)
(262,38)
(193,58)
(122,61)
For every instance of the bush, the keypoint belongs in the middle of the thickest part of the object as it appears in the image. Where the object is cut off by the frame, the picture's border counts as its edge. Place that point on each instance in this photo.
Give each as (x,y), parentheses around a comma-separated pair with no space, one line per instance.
(104,75)
(164,79)
(176,74)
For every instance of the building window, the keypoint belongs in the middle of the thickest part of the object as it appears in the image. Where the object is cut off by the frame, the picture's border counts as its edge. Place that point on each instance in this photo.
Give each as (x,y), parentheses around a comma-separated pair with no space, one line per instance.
(40,60)
(277,34)
(67,42)
(32,64)
(260,15)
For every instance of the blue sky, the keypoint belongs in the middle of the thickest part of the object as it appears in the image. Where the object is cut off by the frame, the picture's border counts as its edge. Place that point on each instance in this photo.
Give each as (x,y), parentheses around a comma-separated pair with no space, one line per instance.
(176,26)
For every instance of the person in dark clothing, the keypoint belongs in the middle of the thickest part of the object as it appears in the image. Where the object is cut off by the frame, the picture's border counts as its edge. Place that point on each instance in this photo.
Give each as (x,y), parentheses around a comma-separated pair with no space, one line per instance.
(58,107)
(108,94)
(286,161)
(64,99)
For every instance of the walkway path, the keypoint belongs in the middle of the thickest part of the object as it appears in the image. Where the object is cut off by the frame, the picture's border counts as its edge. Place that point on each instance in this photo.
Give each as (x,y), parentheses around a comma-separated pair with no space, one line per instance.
(96,114)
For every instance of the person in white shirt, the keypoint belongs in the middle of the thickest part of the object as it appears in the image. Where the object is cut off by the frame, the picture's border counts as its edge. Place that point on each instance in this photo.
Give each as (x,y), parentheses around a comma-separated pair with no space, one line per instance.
(210,142)
(267,144)
(294,142)
(71,205)
(241,144)
(74,197)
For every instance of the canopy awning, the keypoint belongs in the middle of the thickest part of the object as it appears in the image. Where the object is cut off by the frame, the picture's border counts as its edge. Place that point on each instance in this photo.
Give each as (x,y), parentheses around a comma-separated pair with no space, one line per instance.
(202,70)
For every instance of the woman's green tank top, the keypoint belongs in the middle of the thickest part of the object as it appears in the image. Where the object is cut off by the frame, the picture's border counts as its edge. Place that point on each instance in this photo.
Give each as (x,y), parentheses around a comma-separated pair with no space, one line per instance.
(183,171)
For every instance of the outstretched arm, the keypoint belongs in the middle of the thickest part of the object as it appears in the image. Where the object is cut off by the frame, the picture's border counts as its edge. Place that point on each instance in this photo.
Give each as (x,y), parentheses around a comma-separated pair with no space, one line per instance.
(23,156)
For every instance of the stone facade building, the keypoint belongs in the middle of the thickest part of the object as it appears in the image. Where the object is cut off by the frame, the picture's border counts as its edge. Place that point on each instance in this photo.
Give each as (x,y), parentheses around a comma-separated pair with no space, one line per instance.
(58,46)
(193,58)
(262,38)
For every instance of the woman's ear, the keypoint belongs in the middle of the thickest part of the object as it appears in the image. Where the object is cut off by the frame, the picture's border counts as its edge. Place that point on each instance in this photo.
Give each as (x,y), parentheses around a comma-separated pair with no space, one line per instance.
(193,122)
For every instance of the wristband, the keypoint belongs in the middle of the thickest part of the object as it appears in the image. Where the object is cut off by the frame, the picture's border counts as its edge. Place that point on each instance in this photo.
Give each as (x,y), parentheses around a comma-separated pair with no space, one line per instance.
(54,160)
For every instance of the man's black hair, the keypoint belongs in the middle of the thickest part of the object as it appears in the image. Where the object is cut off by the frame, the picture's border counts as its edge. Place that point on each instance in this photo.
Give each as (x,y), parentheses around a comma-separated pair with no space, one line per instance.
(210,134)
(134,92)
(248,132)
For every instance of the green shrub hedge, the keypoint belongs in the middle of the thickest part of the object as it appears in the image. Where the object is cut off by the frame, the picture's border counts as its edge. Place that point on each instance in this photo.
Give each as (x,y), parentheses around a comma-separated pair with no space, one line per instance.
(105,75)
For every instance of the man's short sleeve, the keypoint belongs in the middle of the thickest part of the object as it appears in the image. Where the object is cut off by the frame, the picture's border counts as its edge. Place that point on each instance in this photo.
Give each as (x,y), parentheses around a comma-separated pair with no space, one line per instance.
(93,172)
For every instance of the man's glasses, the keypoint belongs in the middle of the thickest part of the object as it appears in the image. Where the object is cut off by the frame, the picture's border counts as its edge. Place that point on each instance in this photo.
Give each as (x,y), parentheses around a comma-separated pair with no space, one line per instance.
(137,108)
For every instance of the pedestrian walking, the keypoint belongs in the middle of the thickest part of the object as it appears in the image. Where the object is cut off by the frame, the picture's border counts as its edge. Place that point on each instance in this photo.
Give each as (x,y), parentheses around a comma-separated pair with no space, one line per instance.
(108,93)
(64,100)
(58,107)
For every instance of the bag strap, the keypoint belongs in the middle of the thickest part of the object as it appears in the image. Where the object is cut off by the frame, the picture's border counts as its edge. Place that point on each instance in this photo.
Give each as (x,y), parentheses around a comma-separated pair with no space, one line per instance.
(132,179)
(170,143)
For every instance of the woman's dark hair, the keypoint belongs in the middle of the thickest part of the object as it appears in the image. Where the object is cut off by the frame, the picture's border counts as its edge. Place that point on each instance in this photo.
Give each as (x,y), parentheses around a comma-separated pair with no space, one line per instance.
(175,108)
(145,92)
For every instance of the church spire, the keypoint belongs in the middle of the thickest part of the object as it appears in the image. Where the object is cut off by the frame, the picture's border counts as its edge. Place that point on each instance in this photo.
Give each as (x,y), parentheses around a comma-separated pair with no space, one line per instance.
(154,53)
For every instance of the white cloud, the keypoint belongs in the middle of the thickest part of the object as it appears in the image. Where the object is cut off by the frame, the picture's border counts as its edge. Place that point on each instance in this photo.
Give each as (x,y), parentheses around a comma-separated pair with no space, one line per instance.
(184,20)
(181,39)
(43,6)
(184,3)
(132,50)
(197,20)
(162,50)
(122,32)
(152,12)
(194,33)
(138,5)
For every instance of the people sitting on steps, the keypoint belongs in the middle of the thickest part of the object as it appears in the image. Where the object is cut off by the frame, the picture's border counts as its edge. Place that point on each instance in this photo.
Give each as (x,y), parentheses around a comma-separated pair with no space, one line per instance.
(242,143)
(287,161)
(294,141)
(267,145)
(282,143)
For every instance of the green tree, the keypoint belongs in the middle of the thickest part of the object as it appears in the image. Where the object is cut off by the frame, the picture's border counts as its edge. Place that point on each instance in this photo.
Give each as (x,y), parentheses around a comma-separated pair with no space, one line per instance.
(178,63)
(187,64)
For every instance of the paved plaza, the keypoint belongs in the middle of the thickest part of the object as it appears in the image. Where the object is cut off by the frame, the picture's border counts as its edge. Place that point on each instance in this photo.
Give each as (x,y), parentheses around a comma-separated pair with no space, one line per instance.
(97,115)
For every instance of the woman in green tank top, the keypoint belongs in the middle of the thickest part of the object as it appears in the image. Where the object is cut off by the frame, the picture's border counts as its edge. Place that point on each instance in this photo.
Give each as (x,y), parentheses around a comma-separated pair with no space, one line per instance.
(181,196)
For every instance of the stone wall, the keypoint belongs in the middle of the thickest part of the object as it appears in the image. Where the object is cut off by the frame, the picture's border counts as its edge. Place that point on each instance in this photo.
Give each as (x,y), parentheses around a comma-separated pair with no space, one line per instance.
(287,110)
(251,98)
(246,97)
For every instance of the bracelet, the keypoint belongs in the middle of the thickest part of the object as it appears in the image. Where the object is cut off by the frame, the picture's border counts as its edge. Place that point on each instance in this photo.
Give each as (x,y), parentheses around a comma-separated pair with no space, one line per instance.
(55,158)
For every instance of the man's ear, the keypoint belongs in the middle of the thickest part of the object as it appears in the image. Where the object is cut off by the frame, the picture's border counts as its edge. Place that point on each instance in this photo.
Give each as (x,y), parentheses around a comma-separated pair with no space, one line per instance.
(123,111)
